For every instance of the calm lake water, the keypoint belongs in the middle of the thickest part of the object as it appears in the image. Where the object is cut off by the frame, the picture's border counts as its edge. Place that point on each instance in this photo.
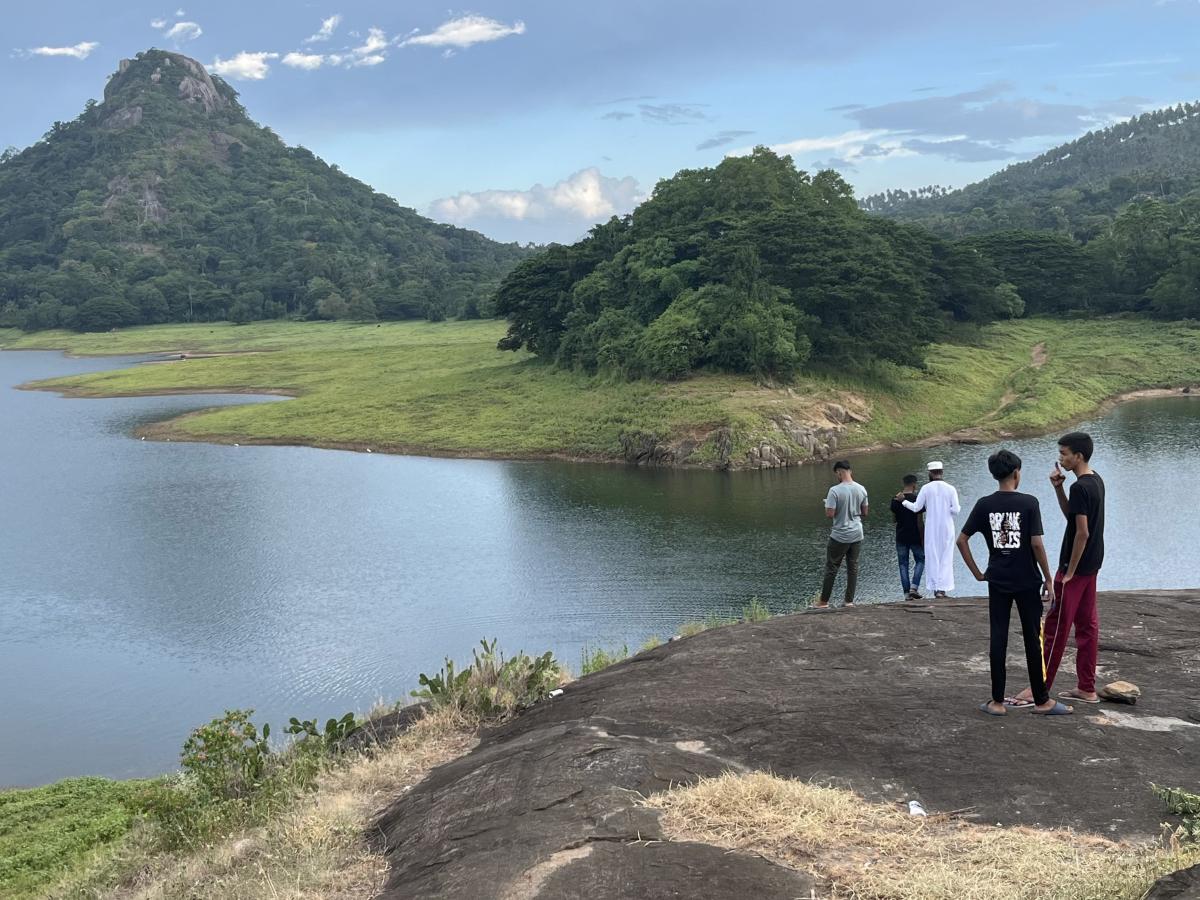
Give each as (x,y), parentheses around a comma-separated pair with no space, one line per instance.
(145,587)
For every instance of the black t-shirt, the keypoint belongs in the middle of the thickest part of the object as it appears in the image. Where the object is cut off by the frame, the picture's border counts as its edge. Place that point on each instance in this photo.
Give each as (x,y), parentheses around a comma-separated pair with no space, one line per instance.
(907,530)
(1008,520)
(1086,498)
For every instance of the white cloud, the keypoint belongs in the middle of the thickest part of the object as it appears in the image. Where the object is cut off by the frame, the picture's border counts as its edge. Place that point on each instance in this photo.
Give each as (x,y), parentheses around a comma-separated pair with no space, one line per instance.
(328,26)
(465,31)
(308,61)
(184,31)
(82,50)
(158,23)
(376,41)
(180,13)
(247,66)
(373,59)
(586,196)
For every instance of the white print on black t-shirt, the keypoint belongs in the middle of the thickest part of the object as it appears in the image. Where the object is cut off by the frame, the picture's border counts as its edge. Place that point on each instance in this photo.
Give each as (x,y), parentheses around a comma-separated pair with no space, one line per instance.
(1006,530)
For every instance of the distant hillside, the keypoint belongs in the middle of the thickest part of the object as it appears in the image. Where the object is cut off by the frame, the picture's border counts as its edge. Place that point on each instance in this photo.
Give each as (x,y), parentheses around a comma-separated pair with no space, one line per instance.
(1076,189)
(166,202)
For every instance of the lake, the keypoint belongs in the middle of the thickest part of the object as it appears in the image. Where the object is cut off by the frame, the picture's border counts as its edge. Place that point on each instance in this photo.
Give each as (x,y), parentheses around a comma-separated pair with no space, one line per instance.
(146,587)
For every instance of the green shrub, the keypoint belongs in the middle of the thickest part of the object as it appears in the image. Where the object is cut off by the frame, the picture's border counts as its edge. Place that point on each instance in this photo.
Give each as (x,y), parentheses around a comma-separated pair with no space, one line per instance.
(492,687)
(226,757)
(1185,805)
(755,611)
(599,658)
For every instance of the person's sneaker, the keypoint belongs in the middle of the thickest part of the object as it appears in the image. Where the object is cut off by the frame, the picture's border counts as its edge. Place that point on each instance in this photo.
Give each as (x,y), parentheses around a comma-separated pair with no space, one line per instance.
(939,594)
(914,594)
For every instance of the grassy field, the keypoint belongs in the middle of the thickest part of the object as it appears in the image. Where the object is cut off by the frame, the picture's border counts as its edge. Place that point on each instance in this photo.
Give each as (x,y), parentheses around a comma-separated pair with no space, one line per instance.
(50,831)
(444,388)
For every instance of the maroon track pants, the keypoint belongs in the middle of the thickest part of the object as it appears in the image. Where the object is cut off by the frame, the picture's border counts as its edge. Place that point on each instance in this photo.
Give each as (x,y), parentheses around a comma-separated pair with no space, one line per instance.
(1074,605)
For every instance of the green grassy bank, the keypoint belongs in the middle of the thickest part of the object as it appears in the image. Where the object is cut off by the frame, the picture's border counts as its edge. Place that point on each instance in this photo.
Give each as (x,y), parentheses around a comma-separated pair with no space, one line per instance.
(444,388)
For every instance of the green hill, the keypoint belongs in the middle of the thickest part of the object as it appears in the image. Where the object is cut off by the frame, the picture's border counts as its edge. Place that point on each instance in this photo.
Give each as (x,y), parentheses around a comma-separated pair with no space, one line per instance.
(165,202)
(1076,188)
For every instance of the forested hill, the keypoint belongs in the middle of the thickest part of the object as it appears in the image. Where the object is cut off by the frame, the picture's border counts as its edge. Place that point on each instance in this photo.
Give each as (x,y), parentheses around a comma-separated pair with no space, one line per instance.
(1076,189)
(166,202)
(751,266)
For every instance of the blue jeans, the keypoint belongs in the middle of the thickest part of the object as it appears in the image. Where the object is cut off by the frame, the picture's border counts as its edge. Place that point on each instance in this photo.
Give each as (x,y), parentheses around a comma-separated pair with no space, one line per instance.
(918,552)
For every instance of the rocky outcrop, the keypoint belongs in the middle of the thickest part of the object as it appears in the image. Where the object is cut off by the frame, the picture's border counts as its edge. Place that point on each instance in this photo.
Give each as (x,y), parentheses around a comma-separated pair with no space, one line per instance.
(124,118)
(788,442)
(143,194)
(880,699)
(194,87)
(1181,885)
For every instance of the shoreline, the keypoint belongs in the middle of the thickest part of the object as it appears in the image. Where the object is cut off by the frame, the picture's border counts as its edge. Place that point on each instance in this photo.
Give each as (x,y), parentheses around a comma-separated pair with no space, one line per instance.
(168,430)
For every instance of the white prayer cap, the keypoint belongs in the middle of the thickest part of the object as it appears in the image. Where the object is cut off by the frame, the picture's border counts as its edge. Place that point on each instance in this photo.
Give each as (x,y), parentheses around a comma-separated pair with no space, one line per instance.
(935,466)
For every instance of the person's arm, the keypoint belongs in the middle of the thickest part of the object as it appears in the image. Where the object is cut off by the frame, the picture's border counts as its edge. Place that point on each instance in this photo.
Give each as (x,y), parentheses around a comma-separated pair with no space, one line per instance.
(830,512)
(955,507)
(918,506)
(864,510)
(830,504)
(964,547)
(1057,478)
(1039,553)
(1077,548)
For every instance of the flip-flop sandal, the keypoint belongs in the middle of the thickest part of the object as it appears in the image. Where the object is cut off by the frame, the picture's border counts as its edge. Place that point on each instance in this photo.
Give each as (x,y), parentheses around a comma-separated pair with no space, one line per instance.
(983,707)
(1017,703)
(1067,695)
(1058,709)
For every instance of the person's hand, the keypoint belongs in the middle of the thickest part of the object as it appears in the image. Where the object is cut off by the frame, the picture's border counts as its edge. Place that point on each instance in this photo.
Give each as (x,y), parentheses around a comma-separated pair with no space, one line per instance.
(1047,592)
(1067,577)
(900,496)
(980,577)
(1057,477)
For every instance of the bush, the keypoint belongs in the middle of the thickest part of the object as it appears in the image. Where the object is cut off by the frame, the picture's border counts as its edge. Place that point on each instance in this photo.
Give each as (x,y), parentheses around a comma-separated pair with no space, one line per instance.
(227,756)
(1185,805)
(492,687)
(599,658)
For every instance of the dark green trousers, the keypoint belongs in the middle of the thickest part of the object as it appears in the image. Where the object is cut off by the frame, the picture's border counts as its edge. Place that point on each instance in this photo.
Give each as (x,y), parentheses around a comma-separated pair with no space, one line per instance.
(835,552)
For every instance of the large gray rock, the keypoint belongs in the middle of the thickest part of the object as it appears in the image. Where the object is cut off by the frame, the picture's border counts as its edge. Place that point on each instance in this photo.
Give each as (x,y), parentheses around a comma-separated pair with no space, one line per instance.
(881,699)
(1181,885)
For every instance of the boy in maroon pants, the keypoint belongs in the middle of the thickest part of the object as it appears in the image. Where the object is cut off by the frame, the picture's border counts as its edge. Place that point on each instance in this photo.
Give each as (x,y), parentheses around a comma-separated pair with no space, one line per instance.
(1079,563)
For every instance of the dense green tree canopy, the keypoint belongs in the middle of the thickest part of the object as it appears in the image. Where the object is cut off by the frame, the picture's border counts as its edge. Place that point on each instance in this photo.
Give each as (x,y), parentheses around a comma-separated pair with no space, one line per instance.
(168,198)
(750,266)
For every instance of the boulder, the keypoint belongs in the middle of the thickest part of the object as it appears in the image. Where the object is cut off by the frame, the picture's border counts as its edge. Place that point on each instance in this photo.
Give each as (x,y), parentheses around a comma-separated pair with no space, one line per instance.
(1181,885)
(881,699)
(1120,692)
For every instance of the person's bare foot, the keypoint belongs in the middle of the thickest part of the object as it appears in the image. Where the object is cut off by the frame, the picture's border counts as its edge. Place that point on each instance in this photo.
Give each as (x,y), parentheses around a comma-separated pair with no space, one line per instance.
(824,605)
(1085,696)
(1026,694)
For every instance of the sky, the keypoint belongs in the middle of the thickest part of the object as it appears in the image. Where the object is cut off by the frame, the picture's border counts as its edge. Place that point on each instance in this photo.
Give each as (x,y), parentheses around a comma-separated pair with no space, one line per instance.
(531,121)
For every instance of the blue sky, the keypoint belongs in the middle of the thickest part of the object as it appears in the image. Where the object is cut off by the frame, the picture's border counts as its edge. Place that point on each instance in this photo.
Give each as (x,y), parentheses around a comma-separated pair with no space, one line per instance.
(532,120)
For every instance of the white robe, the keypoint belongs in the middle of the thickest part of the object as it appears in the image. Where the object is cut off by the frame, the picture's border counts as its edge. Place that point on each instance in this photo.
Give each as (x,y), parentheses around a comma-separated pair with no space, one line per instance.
(939,501)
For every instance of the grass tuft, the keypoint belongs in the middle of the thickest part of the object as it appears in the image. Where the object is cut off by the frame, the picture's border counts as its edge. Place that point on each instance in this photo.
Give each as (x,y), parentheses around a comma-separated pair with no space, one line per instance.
(873,851)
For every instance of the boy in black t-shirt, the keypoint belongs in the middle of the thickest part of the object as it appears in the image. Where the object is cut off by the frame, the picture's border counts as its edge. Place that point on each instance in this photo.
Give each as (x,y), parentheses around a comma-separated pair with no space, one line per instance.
(1079,563)
(1011,523)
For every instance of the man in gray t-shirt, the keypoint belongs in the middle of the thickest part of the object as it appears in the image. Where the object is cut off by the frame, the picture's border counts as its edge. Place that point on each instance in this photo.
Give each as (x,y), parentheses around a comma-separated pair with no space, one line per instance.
(846,504)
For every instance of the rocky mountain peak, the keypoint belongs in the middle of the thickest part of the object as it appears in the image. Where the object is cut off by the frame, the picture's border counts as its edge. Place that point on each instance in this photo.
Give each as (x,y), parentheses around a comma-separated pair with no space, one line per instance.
(159,73)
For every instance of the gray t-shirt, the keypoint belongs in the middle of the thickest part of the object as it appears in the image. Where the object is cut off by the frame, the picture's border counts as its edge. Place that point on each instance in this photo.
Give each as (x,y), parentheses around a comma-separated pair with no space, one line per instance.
(847,499)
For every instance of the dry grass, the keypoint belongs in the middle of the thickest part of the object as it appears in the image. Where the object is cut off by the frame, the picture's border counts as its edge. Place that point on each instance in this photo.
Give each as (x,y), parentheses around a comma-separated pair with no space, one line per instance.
(318,849)
(871,850)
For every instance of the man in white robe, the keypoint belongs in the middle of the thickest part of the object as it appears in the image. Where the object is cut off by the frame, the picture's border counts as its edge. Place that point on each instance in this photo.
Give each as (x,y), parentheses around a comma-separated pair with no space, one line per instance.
(939,501)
